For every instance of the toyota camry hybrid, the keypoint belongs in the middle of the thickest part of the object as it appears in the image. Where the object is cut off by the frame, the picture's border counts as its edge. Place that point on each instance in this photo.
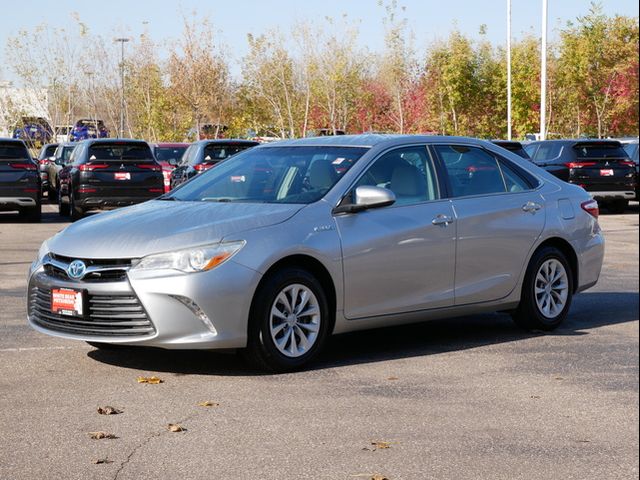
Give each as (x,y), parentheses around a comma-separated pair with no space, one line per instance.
(285,244)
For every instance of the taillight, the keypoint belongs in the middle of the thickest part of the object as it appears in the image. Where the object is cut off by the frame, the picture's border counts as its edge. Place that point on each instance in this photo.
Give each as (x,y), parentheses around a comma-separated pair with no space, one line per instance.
(201,167)
(86,190)
(580,164)
(23,166)
(44,161)
(150,166)
(628,164)
(591,207)
(90,167)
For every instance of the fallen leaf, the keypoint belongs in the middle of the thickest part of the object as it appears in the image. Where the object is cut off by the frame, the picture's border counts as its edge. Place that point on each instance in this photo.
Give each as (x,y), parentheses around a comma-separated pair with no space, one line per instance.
(208,403)
(152,380)
(101,435)
(583,441)
(535,396)
(100,461)
(108,410)
(371,476)
(378,446)
(392,378)
(174,427)
(558,378)
(377,476)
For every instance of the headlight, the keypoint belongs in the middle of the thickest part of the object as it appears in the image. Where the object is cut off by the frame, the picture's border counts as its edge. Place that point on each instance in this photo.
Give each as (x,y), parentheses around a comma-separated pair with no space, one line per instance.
(44,250)
(197,259)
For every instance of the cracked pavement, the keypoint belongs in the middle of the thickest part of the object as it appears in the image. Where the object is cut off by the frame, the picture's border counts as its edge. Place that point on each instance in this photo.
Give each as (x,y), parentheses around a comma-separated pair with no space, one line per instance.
(472,397)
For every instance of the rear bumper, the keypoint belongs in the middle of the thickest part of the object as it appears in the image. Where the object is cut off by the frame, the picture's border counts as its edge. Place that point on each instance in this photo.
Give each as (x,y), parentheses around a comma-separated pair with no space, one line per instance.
(14,203)
(619,195)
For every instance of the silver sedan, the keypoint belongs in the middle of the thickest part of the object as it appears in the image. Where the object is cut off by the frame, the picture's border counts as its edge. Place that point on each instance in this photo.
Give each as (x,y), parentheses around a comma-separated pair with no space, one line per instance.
(279,247)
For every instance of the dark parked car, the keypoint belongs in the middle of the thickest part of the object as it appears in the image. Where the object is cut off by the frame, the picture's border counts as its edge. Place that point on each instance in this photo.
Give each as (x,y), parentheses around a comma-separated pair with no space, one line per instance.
(45,157)
(168,156)
(203,155)
(19,180)
(61,157)
(601,167)
(35,131)
(631,147)
(87,128)
(515,147)
(106,174)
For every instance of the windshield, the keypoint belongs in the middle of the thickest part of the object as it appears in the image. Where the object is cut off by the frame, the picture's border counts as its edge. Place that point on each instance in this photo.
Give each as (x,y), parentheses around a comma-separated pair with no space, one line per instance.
(272,175)
(166,154)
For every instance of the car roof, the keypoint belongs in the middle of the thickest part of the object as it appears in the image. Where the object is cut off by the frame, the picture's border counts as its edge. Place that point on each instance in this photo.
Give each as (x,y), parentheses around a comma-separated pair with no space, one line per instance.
(7,139)
(368,140)
(112,140)
(171,144)
(574,141)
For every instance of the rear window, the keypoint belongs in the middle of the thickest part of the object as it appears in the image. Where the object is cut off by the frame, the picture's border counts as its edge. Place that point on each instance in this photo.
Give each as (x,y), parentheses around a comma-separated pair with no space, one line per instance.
(13,151)
(119,152)
(166,154)
(599,150)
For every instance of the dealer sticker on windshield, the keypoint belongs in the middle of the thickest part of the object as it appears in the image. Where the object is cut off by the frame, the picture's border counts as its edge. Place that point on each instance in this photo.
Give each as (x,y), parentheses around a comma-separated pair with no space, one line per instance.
(65,301)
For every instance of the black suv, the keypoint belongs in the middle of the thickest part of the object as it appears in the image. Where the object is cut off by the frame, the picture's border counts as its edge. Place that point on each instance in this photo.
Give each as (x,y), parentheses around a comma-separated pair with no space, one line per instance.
(203,155)
(601,167)
(106,174)
(20,184)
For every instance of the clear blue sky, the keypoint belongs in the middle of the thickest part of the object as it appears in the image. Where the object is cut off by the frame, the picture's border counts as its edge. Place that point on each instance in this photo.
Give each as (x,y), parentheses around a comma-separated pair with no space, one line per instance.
(429,19)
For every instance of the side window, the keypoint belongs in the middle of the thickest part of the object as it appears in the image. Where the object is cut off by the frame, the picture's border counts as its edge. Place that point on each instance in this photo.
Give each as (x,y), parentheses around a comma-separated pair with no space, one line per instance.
(472,171)
(547,151)
(407,172)
(513,181)
(531,149)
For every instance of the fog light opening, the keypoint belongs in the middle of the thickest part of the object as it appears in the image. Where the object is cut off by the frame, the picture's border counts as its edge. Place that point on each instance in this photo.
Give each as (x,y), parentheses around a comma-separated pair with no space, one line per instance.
(197,311)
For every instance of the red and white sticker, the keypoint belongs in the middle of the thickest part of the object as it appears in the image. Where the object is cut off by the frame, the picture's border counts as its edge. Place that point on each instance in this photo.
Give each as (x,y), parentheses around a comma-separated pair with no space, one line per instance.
(122,176)
(606,172)
(65,301)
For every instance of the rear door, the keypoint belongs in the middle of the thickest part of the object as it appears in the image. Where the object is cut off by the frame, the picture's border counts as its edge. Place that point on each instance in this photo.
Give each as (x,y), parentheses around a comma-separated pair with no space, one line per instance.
(499,216)
(122,169)
(18,173)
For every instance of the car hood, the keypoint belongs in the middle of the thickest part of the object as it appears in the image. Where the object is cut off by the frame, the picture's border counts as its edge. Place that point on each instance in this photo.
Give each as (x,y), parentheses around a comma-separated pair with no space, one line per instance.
(161,226)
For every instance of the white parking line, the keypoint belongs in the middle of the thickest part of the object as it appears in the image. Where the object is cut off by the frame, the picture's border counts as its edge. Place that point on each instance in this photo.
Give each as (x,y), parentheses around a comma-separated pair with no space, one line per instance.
(29,349)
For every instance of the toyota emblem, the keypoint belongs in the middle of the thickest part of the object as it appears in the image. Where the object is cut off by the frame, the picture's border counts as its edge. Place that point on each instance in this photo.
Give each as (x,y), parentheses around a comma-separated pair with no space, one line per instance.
(76,269)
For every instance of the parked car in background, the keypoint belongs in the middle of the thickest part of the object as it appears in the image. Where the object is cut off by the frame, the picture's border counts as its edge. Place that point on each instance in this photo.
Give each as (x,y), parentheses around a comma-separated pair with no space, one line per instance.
(202,155)
(512,146)
(20,183)
(45,157)
(86,128)
(106,174)
(601,167)
(63,133)
(61,157)
(35,131)
(273,251)
(168,155)
(630,146)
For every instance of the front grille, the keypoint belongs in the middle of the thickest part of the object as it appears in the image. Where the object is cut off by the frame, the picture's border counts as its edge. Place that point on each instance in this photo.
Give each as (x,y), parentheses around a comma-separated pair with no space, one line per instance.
(111,270)
(107,315)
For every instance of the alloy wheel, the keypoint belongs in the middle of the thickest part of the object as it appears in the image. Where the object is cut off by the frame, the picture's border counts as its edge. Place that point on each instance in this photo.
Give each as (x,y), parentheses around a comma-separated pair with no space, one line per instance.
(551,288)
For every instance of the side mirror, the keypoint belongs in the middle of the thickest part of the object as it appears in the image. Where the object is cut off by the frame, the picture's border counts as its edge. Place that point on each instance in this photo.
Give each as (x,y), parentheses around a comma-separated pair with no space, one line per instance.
(366,197)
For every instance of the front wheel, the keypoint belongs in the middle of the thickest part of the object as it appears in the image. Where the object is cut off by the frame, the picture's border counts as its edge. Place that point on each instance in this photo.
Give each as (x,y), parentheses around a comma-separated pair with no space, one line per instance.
(289,321)
(547,291)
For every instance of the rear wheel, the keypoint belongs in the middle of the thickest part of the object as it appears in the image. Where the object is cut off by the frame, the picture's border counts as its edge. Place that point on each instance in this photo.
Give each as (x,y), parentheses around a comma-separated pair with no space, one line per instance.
(547,291)
(76,212)
(618,206)
(289,321)
(53,194)
(33,214)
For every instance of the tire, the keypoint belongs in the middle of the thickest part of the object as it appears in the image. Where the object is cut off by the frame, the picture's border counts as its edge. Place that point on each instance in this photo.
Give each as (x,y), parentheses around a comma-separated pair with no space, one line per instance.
(63,208)
(76,212)
(530,313)
(264,328)
(618,206)
(53,194)
(33,214)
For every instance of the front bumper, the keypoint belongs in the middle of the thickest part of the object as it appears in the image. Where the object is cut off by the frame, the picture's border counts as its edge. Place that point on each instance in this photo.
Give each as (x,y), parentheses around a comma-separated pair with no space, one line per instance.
(223,294)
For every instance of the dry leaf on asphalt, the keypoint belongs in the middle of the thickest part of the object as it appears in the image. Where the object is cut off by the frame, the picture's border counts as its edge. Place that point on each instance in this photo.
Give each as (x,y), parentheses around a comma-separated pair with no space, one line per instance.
(377,476)
(208,403)
(371,476)
(108,410)
(392,378)
(174,427)
(378,446)
(152,380)
(100,461)
(101,435)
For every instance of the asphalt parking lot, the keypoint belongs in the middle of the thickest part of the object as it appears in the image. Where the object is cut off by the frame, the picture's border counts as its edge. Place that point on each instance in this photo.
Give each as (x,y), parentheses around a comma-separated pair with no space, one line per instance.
(472,397)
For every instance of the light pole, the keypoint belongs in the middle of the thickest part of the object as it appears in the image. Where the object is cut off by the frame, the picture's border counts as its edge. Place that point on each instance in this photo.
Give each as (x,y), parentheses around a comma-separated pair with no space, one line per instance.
(508,69)
(543,74)
(122,41)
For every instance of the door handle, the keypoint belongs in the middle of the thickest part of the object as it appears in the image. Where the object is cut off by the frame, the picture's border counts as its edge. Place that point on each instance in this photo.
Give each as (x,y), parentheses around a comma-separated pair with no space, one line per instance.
(442,220)
(531,207)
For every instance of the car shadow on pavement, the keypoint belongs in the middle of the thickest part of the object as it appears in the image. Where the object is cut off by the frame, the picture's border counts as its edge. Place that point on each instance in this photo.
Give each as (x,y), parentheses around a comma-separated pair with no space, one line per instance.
(590,310)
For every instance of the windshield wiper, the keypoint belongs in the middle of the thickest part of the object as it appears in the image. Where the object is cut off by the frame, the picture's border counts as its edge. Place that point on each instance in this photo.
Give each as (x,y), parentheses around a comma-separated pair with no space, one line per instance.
(218,199)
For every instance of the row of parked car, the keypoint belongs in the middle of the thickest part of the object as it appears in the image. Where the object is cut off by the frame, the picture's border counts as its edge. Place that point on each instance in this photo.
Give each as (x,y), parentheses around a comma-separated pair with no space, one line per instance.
(109,173)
